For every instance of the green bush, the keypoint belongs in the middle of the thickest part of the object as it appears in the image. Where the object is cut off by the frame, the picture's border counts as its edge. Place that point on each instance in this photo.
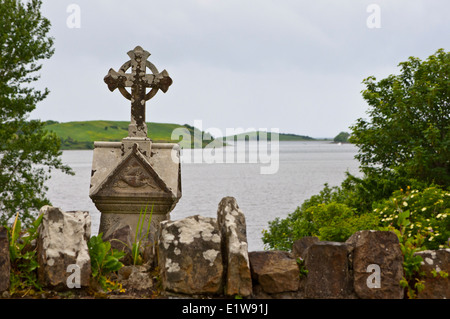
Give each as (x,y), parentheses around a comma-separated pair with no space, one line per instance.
(328,220)
(329,216)
(333,222)
(428,212)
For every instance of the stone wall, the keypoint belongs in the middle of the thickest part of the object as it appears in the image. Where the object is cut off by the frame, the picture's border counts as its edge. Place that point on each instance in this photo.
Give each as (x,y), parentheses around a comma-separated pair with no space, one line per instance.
(208,257)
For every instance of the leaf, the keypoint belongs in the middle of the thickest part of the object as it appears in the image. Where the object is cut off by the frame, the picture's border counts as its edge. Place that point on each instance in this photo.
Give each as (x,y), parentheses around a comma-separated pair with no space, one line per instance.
(403,218)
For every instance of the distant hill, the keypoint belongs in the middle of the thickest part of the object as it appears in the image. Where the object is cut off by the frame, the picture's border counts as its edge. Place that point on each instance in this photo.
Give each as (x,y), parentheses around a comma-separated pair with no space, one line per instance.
(82,134)
(257,135)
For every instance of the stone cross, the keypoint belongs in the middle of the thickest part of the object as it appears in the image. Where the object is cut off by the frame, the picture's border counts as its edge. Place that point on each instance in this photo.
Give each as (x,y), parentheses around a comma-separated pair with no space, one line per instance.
(138,81)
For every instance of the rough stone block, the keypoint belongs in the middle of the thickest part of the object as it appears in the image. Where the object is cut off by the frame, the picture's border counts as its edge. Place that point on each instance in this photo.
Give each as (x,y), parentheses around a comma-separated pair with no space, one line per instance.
(377,264)
(436,286)
(119,235)
(299,247)
(135,278)
(5,265)
(329,275)
(233,232)
(276,271)
(62,241)
(189,256)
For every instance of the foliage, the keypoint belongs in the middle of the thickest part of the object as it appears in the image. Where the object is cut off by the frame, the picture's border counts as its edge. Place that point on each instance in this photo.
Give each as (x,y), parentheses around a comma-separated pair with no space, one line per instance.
(303,272)
(341,137)
(409,245)
(104,260)
(409,121)
(23,257)
(322,216)
(139,236)
(403,145)
(27,152)
(425,213)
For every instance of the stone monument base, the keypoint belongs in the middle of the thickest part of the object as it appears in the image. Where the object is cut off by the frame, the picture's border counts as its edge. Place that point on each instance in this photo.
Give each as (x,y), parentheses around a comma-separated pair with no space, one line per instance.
(134,176)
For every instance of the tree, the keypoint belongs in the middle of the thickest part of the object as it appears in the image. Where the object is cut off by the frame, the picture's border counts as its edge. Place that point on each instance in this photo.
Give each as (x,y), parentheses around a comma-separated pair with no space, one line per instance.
(403,150)
(28,153)
(409,121)
(341,137)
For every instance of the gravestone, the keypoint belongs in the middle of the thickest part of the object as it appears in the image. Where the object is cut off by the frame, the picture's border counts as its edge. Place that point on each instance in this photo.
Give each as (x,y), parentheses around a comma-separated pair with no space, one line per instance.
(135,175)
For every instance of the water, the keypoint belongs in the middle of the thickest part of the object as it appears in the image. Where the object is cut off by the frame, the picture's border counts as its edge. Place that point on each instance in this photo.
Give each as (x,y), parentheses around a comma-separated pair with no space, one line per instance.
(304,167)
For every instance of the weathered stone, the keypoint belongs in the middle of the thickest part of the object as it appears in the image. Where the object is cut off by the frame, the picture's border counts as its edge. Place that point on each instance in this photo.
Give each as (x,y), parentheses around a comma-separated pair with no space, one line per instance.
(377,253)
(62,241)
(5,265)
(148,253)
(189,256)
(122,186)
(329,273)
(135,173)
(436,286)
(233,232)
(276,271)
(126,185)
(299,247)
(138,81)
(135,278)
(119,235)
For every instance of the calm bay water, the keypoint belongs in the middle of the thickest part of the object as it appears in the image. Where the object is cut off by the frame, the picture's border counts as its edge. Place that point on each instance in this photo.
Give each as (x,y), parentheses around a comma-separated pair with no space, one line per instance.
(303,169)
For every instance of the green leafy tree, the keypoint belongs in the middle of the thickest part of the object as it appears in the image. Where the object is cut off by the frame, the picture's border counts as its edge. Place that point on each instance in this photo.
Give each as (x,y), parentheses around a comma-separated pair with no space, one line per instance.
(409,121)
(28,153)
(403,144)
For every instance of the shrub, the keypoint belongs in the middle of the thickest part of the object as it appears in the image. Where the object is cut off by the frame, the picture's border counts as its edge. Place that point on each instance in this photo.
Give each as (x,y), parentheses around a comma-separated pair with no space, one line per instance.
(328,221)
(334,222)
(428,212)
(334,215)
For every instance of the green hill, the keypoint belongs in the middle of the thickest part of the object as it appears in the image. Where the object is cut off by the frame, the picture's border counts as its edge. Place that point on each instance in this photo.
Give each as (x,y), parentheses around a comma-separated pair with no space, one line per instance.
(81,135)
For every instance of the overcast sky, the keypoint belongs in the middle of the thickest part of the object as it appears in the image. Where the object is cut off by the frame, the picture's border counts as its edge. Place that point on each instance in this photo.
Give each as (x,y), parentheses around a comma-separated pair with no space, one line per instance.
(293,65)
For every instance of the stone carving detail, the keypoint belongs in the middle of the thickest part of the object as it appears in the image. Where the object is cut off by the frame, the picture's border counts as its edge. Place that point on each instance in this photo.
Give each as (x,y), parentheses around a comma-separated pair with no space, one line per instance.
(138,81)
(135,174)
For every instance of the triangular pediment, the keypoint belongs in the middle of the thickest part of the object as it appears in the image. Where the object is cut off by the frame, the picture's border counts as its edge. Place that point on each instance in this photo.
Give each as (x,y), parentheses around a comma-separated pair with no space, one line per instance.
(133,176)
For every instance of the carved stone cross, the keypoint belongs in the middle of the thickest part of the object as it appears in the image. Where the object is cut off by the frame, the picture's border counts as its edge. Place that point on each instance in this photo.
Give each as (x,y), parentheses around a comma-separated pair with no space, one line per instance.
(138,81)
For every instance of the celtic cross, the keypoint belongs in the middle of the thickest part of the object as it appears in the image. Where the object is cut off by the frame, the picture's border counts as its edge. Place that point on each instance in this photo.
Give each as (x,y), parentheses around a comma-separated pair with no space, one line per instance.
(138,81)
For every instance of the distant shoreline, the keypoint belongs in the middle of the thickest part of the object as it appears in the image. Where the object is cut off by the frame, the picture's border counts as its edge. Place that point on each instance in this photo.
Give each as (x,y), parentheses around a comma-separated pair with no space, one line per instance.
(81,135)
